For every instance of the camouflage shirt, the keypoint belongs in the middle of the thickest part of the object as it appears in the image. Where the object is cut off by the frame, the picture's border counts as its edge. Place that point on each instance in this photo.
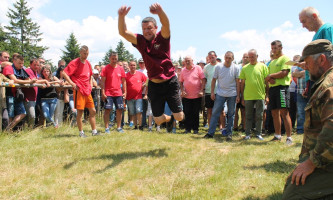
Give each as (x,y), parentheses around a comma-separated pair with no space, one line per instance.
(318,126)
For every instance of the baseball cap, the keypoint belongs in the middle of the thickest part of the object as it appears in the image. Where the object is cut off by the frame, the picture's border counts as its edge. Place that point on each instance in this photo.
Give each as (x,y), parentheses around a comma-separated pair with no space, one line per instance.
(202,61)
(315,47)
(141,60)
(95,71)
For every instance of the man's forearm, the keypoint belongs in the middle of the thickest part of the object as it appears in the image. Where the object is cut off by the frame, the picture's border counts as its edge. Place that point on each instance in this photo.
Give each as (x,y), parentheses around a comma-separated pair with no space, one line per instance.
(280,74)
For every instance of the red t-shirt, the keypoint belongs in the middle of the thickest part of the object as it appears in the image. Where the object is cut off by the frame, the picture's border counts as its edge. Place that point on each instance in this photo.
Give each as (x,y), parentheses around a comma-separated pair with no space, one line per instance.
(156,55)
(80,73)
(134,84)
(113,76)
(8,70)
(30,94)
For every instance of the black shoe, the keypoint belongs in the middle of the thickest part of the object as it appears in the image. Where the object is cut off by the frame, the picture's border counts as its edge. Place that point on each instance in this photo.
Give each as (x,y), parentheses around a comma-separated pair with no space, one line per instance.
(141,128)
(276,139)
(229,138)
(195,132)
(208,136)
(169,124)
(187,131)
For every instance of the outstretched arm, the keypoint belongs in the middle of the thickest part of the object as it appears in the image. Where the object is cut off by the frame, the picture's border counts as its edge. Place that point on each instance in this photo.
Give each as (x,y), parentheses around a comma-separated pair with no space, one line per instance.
(128,35)
(156,8)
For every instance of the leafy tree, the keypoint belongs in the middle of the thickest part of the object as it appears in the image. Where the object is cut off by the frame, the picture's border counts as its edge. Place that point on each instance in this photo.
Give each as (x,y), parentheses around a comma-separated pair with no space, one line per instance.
(123,54)
(105,59)
(72,49)
(23,33)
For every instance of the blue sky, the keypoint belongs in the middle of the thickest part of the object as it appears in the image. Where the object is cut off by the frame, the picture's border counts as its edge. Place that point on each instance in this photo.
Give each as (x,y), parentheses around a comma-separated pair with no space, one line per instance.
(196,26)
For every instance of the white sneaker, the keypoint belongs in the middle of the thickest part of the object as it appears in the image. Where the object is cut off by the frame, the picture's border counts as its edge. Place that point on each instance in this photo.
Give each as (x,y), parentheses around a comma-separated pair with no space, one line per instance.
(158,128)
(260,137)
(247,137)
(289,141)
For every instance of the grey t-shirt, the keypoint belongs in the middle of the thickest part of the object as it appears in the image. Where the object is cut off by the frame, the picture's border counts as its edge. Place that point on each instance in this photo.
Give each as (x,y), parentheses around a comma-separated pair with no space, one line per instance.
(226,79)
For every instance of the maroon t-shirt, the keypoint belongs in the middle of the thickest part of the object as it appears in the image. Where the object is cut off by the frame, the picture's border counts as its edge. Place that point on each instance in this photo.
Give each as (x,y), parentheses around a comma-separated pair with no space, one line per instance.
(156,55)
(30,94)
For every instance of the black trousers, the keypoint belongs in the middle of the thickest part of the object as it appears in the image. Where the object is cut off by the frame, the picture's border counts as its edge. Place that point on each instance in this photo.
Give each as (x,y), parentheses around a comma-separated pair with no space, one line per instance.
(191,111)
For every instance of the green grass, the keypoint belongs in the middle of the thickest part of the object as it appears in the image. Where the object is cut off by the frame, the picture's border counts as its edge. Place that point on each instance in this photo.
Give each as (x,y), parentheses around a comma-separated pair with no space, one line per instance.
(56,164)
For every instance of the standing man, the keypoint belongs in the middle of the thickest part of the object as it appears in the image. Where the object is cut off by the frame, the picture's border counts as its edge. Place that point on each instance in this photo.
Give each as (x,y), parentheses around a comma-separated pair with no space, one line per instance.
(154,47)
(113,91)
(135,82)
(79,74)
(227,91)
(144,93)
(299,73)
(313,176)
(279,78)
(209,73)
(253,88)
(192,83)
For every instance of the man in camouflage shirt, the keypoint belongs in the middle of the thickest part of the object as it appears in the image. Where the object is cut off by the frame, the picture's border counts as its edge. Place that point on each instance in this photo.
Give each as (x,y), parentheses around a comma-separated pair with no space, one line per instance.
(313,176)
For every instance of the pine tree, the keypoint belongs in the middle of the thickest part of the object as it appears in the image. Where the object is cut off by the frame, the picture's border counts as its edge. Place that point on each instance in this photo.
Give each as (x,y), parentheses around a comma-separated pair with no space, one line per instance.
(180,61)
(106,59)
(123,54)
(3,39)
(23,33)
(72,49)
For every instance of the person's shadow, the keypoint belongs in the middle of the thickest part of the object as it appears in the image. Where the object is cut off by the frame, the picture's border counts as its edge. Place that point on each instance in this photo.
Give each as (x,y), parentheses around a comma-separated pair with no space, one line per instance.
(120,157)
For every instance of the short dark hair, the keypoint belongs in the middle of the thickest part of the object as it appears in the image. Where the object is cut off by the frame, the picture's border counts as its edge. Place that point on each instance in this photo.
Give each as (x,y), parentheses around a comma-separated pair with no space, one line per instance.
(149,19)
(230,53)
(277,42)
(19,57)
(113,53)
(212,52)
(1,52)
(84,47)
(32,60)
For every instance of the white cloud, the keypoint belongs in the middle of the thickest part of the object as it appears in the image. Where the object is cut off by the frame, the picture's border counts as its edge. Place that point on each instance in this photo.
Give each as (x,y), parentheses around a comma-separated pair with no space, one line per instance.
(190,51)
(293,40)
(97,33)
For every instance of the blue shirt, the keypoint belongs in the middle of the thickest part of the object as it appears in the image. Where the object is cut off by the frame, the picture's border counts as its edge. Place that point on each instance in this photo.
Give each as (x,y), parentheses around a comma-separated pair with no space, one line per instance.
(324,32)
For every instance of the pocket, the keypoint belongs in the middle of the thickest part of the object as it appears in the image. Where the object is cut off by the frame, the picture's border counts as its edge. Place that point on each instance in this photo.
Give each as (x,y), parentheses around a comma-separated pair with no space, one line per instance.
(308,116)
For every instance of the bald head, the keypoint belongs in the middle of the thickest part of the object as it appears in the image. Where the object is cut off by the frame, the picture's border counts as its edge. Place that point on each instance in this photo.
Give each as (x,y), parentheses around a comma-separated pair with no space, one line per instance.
(310,19)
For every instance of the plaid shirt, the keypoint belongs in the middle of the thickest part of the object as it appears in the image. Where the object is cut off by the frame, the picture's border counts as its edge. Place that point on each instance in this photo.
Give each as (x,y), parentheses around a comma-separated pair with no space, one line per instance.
(301,83)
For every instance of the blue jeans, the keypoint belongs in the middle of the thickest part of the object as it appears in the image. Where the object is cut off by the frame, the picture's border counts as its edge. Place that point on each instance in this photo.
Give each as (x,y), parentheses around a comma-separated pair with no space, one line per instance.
(134,106)
(301,103)
(48,107)
(217,109)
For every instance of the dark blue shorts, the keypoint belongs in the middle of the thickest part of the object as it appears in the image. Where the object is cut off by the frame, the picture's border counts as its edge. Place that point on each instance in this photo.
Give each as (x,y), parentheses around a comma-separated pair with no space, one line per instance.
(117,101)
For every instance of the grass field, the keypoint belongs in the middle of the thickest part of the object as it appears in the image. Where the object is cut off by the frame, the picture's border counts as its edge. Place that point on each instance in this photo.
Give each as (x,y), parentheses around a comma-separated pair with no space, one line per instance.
(56,164)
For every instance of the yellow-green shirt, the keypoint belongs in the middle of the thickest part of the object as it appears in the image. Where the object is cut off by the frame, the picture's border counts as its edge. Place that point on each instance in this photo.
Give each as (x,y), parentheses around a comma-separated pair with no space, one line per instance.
(278,65)
(254,76)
